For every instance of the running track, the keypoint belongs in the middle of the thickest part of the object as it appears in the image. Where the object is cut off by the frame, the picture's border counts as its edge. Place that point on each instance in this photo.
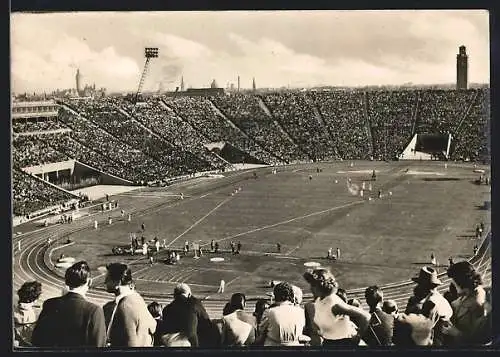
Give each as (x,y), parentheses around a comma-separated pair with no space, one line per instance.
(33,263)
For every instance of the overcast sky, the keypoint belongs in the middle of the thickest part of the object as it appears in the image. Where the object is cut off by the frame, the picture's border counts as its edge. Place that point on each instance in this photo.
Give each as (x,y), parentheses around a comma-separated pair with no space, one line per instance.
(295,48)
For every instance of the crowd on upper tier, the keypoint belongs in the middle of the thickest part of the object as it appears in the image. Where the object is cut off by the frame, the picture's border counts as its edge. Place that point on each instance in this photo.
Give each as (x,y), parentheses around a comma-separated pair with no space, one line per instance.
(214,125)
(26,126)
(461,317)
(166,137)
(161,120)
(249,114)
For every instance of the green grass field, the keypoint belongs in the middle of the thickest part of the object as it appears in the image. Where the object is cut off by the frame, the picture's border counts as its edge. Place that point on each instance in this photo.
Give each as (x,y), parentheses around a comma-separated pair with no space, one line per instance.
(381,240)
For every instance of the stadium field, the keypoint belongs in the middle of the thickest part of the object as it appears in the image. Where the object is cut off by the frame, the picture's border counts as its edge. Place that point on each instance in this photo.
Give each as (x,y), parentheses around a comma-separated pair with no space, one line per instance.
(424,208)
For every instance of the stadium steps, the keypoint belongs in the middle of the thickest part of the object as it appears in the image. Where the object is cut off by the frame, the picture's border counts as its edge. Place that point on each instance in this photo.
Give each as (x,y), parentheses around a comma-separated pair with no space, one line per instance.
(72,111)
(458,130)
(415,114)
(171,110)
(368,125)
(324,127)
(226,118)
(257,142)
(278,125)
(154,158)
(253,154)
(156,135)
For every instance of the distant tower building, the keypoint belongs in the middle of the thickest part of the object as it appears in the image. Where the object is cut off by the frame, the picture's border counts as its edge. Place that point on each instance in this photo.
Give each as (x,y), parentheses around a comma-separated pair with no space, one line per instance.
(182,84)
(254,87)
(78,81)
(238,83)
(214,84)
(462,64)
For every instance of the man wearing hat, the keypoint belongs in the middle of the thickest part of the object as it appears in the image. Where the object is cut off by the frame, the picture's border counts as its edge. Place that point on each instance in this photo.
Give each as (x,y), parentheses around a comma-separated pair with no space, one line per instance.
(427,282)
(429,302)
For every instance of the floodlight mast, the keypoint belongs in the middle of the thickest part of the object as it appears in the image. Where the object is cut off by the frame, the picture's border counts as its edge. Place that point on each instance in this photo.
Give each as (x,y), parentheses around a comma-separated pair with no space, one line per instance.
(149,52)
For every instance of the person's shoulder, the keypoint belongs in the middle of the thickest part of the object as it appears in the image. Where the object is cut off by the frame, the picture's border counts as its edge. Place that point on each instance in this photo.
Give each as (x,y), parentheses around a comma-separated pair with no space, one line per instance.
(49,303)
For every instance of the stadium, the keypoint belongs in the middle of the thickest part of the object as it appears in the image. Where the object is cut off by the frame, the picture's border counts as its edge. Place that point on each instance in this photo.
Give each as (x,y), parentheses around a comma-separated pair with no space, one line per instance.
(251,188)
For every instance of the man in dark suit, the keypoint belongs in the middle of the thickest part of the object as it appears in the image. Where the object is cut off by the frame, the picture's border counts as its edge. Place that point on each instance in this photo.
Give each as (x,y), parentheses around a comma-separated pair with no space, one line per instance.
(380,329)
(187,316)
(71,320)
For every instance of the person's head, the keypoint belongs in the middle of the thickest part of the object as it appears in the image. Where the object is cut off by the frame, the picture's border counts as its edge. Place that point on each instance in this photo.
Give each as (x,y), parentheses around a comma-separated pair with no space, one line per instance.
(322,282)
(342,294)
(426,280)
(451,294)
(155,309)
(464,276)
(238,301)
(390,307)
(354,302)
(181,291)
(373,296)
(260,306)
(297,295)
(283,292)
(78,276)
(118,277)
(29,292)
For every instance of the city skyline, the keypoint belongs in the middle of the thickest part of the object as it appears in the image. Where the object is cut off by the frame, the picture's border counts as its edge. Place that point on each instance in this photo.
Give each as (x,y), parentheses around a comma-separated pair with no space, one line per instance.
(277,48)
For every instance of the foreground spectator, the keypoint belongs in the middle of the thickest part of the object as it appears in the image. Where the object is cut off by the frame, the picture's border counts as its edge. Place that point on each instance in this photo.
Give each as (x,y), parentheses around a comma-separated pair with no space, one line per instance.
(427,282)
(471,310)
(25,315)
(155,309)
(180,321)
(186,321)
(390,307)
(329,319)
(381,325)
(238,327)
(282,324)
(260,307)
(71,320)
(128,321)
(430,303)
(297,295)
(412,330)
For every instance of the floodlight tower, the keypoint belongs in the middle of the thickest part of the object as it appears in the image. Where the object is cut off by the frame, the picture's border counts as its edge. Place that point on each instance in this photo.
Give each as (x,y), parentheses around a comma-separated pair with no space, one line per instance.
(149,52)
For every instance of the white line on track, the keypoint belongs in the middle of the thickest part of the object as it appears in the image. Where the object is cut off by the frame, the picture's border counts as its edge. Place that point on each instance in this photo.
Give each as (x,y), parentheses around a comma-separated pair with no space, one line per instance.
(200,220)
(290,220)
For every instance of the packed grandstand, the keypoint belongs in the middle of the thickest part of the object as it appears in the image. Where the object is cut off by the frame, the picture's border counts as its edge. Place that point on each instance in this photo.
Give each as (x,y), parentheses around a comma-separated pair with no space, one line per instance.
(162,138)
(166,137)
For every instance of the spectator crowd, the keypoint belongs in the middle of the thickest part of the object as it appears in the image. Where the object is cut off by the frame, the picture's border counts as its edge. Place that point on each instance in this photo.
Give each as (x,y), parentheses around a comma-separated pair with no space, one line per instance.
(459,318)
(30,194)
(165,137)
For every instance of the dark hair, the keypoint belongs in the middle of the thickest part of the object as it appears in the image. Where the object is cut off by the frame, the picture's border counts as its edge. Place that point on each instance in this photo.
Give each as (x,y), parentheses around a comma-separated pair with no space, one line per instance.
(77,275)
(120,272)
(283,292)
(354,302)
(154,309)
(29,291)
(465,275)
(373,296)
(322,279)
(342,294)
(389,306)
(451,294)
(260,306)
(237,302)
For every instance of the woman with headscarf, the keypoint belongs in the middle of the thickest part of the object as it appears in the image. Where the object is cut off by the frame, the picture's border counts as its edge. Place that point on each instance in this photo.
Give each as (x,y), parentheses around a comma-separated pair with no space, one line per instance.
(329,319)
(283,323)
(471,310)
